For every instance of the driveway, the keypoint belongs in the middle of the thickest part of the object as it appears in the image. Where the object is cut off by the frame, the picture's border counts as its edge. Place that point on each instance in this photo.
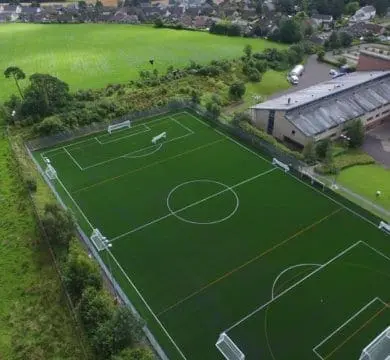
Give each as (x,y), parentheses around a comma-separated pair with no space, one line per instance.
(315,72)
(377,143)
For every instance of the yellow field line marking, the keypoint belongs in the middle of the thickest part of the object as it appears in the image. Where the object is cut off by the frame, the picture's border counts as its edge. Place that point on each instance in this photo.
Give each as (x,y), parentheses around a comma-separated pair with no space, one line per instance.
(356,331)
(257,257)
(148,166)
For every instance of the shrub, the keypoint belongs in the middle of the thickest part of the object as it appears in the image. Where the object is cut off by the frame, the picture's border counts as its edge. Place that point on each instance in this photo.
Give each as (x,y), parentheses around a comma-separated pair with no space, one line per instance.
(80,272)
(355,133)
(322,148)
(254,75)
(31,184)
(50,125)
(241,117)
(237,90)
(134,354)
(309,153)
(261,66)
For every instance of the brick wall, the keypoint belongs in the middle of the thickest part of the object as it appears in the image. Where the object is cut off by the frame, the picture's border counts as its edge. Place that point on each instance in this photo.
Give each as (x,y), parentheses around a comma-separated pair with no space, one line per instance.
(369,62)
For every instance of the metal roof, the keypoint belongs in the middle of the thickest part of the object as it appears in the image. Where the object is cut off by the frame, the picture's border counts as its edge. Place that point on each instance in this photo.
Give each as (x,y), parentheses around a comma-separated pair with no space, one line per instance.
(319,92)
(317,117)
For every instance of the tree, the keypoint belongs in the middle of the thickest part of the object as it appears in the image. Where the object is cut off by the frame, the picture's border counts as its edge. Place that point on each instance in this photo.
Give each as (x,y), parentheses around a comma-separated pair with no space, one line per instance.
(59,224)
(351,7)
(322,148)
(333,42)
(35,4)
(355,133)
(237,90)
(309,153)
(45,95)
(286,6)
(80,272)
(17,74)
(290,31)
(158,23)
(94,309)
(82,5)
(213,108)
(248,51)
(381,7)
(345,39)
(134,354)
(320,55)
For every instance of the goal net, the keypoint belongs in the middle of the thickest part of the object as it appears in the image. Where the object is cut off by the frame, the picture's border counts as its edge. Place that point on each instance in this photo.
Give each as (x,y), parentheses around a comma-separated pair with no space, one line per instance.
(379,348)
(385,227)
(50,172)
(228,348)
(158,137)
(99,240)
(123,124)
(284,166)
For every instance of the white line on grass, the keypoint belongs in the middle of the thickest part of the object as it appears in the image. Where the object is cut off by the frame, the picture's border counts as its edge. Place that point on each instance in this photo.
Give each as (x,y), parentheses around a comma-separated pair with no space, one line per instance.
(340,254)
(72,158)
(293,176)
(145,130)
(343,324)
(284,271)
(127,155)
(183,126)
(146,304)
(228,188)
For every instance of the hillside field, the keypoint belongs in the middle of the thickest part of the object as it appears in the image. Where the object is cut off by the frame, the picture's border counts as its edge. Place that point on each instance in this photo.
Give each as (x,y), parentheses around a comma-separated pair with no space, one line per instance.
(93,55)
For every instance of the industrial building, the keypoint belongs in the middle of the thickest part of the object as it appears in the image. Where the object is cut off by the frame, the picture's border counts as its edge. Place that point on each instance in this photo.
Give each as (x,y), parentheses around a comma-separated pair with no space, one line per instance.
(323,110)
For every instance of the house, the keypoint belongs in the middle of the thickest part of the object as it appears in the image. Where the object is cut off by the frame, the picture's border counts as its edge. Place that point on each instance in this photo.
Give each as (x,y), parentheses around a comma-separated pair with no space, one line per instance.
(322,111)
(365,13)
(326,21)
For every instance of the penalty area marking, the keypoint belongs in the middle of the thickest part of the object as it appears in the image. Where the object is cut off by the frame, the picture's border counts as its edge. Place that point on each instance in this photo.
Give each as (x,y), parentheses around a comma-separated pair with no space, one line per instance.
(286,270)
(226,188)
(130,156)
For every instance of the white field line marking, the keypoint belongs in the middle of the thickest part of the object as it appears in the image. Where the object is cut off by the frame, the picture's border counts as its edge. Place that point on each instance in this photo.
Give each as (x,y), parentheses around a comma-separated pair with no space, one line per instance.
(284,271)
(229,188)
(72,158)
(92,138)
(343,324)
(289,173)
(182,125)
(144,155)
(377,251)
(318,354)
(146,129)
(340,254)
(133,152)
(147,305)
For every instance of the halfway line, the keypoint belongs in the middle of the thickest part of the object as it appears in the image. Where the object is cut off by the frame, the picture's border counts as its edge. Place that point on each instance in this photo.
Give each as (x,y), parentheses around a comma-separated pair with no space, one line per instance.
(148,166)
(257,257)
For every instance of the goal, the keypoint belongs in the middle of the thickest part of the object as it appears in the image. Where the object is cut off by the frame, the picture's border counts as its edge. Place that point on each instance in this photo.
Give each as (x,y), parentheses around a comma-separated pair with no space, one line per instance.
(50,172)
(121,125)
(379,348)
(100,242)
(228,348)
(284,166)
(157,138)
(384,226)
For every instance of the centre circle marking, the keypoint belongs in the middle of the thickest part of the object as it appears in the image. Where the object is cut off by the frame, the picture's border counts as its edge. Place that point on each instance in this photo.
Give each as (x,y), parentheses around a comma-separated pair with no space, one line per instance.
(226,189)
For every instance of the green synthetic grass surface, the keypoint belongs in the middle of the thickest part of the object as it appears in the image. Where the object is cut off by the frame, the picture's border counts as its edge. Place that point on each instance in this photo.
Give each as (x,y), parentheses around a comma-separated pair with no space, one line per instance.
(199,278)
(93,55)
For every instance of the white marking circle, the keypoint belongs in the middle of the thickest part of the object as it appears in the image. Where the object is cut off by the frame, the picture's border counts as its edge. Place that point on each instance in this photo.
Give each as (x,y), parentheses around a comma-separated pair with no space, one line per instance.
(226,189)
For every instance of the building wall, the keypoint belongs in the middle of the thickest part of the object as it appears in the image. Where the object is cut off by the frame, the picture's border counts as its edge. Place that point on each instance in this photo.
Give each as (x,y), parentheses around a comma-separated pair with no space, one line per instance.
(283,128)
(369,62)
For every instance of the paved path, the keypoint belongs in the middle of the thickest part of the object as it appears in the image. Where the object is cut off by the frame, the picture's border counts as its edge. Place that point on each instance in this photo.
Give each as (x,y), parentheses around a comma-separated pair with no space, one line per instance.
(377,143)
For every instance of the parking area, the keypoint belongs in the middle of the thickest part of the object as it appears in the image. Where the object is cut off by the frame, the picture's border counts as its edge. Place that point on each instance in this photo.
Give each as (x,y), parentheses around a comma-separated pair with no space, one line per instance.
(377,143)
(315,72)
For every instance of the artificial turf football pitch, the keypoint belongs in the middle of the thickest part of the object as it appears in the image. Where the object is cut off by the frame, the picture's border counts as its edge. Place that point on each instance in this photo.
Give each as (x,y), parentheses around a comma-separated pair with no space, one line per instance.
(208,236)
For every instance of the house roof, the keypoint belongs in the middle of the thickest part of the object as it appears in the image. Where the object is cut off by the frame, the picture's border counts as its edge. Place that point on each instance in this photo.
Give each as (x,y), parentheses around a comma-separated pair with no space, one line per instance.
(368,9)
(320,107)
(322,17)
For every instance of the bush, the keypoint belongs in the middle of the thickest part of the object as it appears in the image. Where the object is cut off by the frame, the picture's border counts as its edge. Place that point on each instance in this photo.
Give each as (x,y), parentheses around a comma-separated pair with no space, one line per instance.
(59,224)
(322,148)
(241,117)
(237,90)
(254,75)
(134,354)
(355,133)
(31,184)
(50,125)
(213,108)
(80,272)
(261,66)
(309,153)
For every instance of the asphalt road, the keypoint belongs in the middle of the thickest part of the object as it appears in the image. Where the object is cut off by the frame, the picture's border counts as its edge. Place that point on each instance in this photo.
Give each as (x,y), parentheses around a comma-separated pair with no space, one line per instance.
(315,72)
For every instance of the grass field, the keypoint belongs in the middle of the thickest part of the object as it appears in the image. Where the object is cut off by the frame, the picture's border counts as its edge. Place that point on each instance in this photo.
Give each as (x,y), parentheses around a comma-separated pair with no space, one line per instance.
(205,231)
(93,55)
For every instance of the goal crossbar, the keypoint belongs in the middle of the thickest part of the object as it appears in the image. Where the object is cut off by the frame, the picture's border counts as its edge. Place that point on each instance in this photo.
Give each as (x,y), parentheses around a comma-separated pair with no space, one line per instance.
(313,179)
(384,226)
(158,137)
(281,164)
(99,240)
(379,348)
(123,124)
(50,172)
(228,348)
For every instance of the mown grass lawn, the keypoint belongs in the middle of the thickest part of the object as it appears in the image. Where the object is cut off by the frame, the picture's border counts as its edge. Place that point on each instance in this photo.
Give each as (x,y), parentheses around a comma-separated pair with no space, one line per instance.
(366,180)
(93,55)
(34,320)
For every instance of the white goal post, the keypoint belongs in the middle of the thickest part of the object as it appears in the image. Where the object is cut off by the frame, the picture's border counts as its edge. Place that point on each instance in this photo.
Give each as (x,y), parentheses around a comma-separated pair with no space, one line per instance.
(50,172)
(284,166)
(158,137)
(379,348)
(384,226)
(100,242)
(123,124)
(228,348)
